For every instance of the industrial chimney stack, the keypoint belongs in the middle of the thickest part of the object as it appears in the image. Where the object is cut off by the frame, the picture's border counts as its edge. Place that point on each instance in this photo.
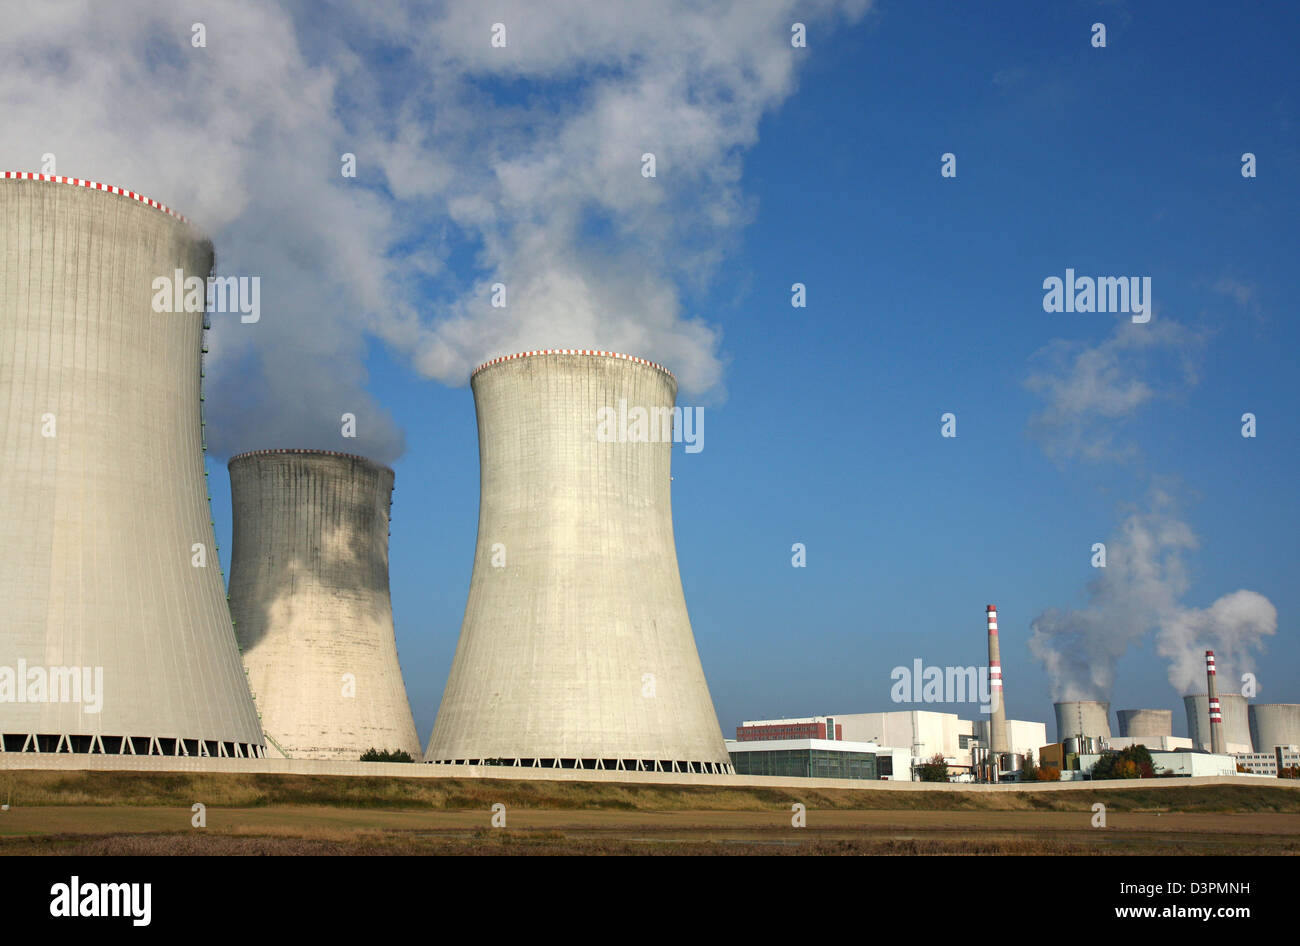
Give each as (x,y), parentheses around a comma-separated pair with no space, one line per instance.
(1216,714)
(998,722)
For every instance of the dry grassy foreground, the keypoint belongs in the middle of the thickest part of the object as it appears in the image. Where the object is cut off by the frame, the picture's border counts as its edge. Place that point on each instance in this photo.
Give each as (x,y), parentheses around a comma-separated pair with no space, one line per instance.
(149,813)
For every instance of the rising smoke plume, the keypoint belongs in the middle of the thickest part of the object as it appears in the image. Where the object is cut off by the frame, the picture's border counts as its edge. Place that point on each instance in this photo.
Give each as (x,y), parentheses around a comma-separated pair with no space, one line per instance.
(476,165)
(1139,592)
(1090,392)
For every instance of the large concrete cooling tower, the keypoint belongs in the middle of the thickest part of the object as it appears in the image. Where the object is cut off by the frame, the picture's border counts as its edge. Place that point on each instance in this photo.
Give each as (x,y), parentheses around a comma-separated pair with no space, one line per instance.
(1273,725)
(1236,721)
(110,588)
(1082,718)
(576,649)
(1146,722)
(309,594)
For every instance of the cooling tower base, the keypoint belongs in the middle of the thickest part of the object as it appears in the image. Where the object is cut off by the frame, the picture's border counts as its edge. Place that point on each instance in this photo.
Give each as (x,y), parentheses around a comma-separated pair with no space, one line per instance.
(83,744)
(603,765)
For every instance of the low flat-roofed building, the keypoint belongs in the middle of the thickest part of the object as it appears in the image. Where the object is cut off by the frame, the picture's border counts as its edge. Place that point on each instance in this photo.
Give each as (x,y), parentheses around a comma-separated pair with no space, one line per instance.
(1154,743)
(1265,763)
(1181,763)
(818,758)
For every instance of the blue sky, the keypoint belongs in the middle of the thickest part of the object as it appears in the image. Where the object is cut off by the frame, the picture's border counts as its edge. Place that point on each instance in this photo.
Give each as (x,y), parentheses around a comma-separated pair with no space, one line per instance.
(924,297)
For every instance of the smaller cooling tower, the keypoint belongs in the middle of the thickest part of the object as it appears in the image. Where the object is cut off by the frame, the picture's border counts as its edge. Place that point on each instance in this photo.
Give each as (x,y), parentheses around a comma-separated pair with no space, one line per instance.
(1082,718)
(1145,722)
(309,596)
(1236,721)
(1273,725)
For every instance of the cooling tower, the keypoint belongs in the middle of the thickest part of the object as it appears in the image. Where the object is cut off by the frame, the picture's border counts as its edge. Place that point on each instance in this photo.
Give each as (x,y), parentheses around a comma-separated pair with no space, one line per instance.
(1273,725)
(112,608)
(1145,722)
(576,649)
(1236,721)
(1082,718)
(309,595)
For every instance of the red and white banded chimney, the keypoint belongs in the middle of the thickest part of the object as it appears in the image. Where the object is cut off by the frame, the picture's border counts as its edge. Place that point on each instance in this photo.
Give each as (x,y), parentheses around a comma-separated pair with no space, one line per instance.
(1216,712)
(998,718)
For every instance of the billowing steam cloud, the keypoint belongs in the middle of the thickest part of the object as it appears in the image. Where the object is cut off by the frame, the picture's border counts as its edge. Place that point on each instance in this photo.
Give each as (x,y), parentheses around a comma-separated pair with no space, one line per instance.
(476,165)
(1138,592)
(1089,391)
(1233,627)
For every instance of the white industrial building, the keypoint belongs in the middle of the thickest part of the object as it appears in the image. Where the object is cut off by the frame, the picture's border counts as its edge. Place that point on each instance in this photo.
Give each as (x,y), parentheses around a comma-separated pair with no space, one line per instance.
(914,735)
(1172,763)
(1154,743)
(1265,763)
(819,758)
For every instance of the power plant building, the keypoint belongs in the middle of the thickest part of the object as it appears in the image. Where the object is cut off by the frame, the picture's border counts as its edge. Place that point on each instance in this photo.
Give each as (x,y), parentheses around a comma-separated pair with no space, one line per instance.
(309,595)
(115,636)
(576,648)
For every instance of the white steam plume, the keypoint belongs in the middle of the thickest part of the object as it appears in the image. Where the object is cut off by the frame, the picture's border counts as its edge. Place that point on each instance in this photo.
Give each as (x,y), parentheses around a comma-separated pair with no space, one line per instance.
(476,165)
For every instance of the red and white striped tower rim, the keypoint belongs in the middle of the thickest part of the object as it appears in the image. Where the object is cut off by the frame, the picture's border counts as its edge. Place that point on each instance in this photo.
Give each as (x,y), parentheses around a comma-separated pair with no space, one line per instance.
(93,185)
(1209,662)
(590,352)
(995,664)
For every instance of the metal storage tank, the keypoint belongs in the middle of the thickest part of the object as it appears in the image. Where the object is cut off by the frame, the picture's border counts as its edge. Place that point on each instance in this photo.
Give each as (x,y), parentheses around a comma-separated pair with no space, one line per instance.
(1082,718)
(1145,722)
(576,648)
(1273,725)
(309,595)
(109,575)
(1236,721)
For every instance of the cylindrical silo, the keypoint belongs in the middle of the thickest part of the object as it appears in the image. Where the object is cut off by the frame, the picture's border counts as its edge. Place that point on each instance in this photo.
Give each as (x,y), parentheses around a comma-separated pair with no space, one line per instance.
(110,585)
(1236,721)
(576,648)
(309,595)
(1273,725)
(1145,722)
(1082,718)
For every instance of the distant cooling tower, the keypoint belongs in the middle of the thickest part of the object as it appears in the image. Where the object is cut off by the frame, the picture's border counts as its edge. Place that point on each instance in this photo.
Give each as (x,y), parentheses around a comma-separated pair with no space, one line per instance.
(576,649)
(309,594)
(1273,725)
(1082,718)
(1146,722)
(114,631)
(1236,721)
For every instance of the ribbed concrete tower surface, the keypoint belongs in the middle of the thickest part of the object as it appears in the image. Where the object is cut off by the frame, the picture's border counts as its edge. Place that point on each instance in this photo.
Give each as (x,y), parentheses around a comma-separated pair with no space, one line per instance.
(1146,722)
(108,566)
(309,595)
(1235,724)
(1082,718)
(576,647)
(1273,725)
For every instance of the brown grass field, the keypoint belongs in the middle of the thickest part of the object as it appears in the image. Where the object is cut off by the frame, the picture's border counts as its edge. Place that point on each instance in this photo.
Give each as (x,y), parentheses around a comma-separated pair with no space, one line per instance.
(150,813)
